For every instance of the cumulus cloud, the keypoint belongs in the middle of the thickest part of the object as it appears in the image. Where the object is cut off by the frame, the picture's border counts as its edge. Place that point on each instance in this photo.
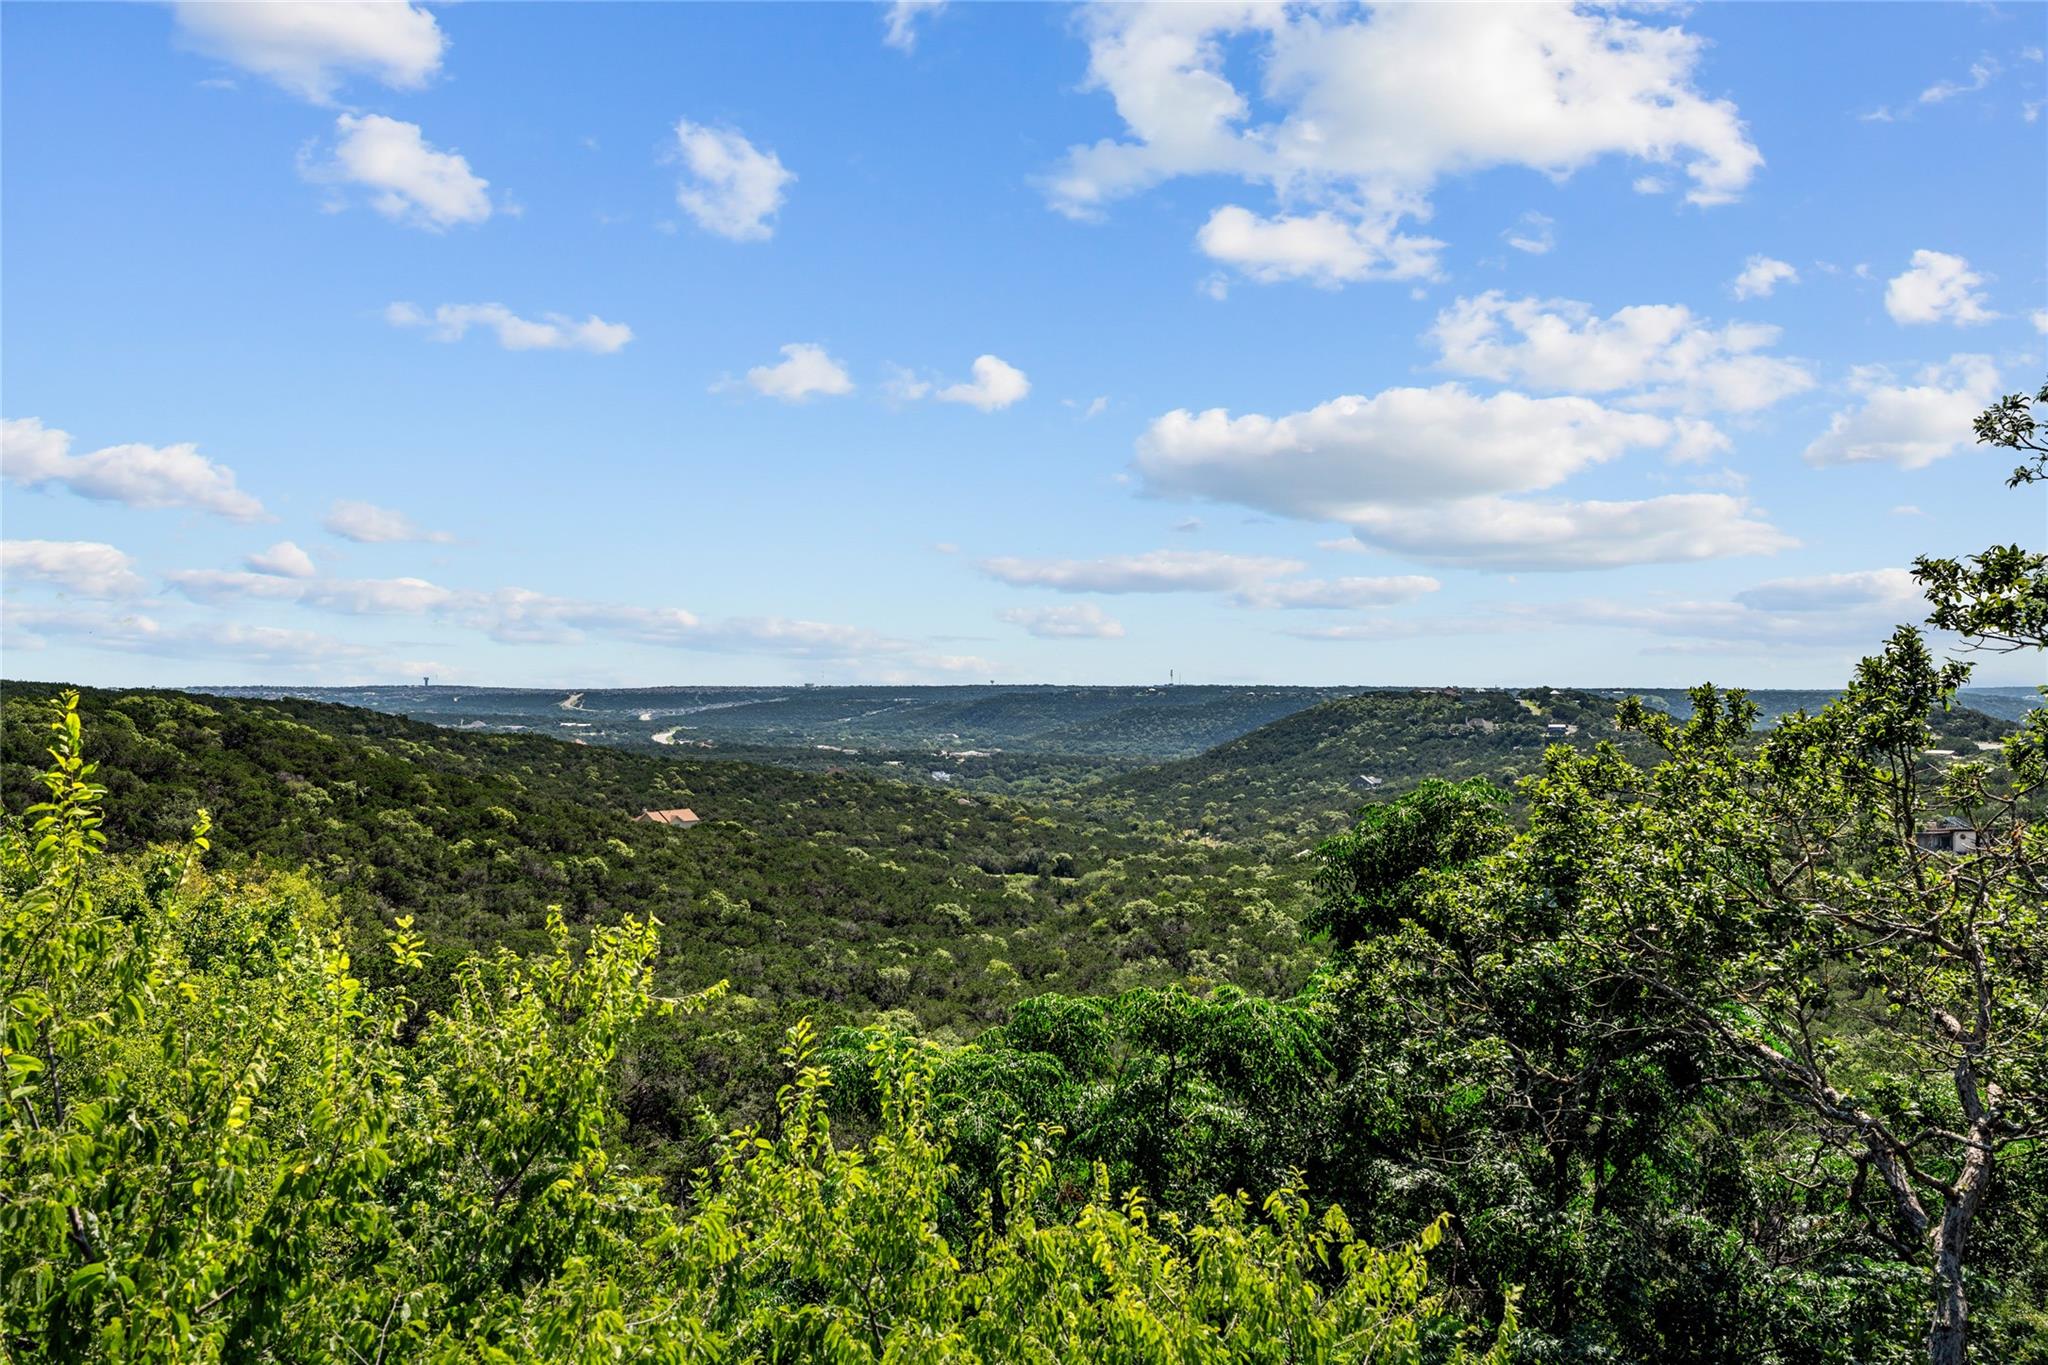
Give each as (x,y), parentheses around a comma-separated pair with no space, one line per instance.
(216,586)
(1415,627)
(1371,112)
(1760,277)
(1937,287)
(282,560)
(1909,425)
(1153,571)
(729,186)
(1324,249)
(1338,594)
(407,179)
(1661,352)
(33,455)
(900,21)
(1401,446)
(996,384)
(1888,590)
(309,49)
(1083,621)
(1513,534)
(86,568)
(1430,473)
(368,524)
(554,332)
(804,371)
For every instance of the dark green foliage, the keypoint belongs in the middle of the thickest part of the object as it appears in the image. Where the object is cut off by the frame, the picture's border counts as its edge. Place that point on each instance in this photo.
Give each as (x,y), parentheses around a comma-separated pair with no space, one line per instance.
(1376,874)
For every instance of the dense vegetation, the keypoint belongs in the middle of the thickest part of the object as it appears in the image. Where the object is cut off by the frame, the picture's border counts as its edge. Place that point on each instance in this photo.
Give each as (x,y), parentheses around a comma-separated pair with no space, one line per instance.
(1685,1048)
(830,892)
(220,1146)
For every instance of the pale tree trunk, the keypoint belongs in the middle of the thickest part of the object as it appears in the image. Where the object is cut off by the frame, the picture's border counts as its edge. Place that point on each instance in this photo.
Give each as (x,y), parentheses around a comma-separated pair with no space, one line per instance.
(1948,1335)
(1948,1330)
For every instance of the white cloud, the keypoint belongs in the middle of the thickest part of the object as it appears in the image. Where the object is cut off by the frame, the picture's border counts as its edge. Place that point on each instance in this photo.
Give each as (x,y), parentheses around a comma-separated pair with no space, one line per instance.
(729,186)
(1937,287)
(1426,472)
(1532,233)
(1821,612)
(310,48)
(368,524)
(1825,611)
(521,616)
(1324,249)
(408,180)
(1257,581)
(805,370)
(1505,534)
(1663,352)
(85,567)
(1909,425)
(32,455)
(996,384)
(282,560)
(1084,621)
(1982,72)
(1414,627)
(342,596)
(1890,590)
(1371,112)
(555,332)
(1153,571)
(1760,276)
(135,633)
(215,587)
(2040,319)
(1339,593)
(899,23)
(1402,446)
(905,386)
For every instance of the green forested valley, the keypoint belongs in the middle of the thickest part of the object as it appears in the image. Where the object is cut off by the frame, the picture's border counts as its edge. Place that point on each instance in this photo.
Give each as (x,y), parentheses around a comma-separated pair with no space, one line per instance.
(1389,1026)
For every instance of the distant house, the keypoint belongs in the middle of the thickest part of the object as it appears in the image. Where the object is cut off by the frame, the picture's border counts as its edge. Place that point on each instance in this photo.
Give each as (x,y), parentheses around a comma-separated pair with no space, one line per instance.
(1947,835)
(680,818)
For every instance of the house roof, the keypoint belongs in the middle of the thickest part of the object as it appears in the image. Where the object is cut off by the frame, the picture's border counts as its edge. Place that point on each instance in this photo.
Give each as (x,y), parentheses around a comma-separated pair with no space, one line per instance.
(683,816)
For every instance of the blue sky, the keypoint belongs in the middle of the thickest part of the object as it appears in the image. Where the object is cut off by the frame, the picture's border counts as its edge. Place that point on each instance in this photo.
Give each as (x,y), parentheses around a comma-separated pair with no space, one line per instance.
(639,344)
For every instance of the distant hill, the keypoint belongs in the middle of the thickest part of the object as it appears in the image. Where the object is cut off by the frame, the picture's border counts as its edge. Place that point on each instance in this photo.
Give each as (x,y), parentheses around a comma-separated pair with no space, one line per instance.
(1141,723)
(1305,775)
(1301,777)
(865,727)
